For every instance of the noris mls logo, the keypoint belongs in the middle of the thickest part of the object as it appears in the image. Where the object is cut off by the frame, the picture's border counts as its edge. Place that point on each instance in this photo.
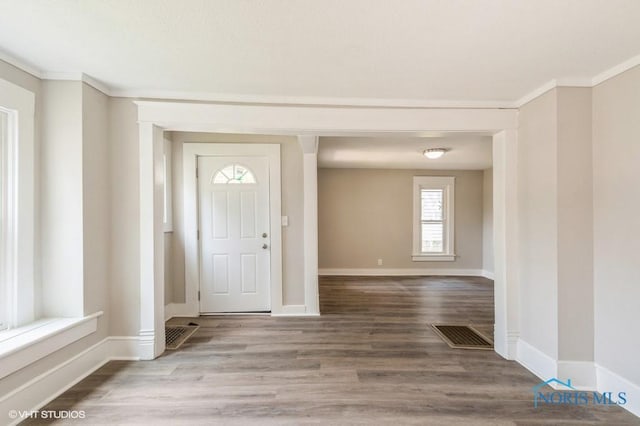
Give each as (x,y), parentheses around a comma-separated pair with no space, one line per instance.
(566,394)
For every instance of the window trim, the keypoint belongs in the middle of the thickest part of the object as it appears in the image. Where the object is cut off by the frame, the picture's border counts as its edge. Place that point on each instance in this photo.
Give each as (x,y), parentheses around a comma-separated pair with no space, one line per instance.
(18,260)
(25,345)
(447,184)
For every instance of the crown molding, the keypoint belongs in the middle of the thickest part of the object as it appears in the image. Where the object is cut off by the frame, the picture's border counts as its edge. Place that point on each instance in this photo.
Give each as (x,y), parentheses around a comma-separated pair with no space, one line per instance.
(20,64)
(308,100)
(319,101)
(616,70)
(78,76)
(550,85)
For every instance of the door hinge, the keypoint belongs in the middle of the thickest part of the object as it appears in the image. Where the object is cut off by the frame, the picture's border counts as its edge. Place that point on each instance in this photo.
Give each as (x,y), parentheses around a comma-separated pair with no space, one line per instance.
(198,234)
(196,173)
(198,294)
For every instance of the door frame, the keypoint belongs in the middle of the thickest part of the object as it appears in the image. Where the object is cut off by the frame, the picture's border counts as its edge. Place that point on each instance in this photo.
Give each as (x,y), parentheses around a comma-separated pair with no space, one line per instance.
(190,153)
(309,121)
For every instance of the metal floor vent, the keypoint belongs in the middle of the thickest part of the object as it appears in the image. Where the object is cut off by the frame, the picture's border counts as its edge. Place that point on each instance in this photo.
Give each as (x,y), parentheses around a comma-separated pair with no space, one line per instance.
(176,335)
(462,337)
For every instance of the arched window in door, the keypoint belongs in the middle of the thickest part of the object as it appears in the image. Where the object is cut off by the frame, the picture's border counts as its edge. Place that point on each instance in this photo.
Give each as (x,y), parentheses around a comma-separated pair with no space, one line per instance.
(234,173)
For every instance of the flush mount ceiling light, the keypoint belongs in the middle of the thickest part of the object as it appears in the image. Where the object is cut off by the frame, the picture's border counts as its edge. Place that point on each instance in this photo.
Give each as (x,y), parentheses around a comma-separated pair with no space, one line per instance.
(433,153)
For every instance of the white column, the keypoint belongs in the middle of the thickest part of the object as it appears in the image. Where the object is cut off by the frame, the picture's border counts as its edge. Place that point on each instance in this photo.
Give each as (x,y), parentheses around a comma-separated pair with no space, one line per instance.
(151,242)
(505,204)
(309,146)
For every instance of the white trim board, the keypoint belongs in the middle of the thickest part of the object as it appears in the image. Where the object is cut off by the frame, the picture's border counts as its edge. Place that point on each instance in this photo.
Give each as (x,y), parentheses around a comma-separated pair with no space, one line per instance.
(400,272)
(584,375)
(581,373)
(38,342)
(173,310)
(49,385)
(536,361)
(487,274)
(608,381)
(309,145)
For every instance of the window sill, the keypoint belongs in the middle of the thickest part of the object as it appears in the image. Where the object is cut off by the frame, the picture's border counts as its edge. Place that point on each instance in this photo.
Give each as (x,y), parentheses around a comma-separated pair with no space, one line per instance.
(433,257)
(25,345)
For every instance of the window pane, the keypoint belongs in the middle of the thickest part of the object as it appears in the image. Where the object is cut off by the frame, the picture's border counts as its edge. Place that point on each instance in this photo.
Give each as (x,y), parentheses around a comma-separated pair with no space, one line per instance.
(432,238)
(234,173)
(432,204)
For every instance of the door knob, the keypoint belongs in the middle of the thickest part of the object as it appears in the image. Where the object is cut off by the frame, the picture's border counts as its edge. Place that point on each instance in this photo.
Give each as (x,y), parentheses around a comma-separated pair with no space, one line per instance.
(264,235)
(264,246)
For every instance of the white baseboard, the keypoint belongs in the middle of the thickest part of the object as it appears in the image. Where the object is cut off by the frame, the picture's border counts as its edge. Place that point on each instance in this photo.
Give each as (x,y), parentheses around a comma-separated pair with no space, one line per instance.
(536,361)
(399,272)
(512,344)
(44,388)
(584,375)
(294,311)
(608,381)
(488,274)
(179,310)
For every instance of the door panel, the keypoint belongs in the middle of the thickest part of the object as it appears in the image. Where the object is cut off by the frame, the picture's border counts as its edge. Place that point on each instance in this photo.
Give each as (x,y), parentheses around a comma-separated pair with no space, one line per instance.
(234,234)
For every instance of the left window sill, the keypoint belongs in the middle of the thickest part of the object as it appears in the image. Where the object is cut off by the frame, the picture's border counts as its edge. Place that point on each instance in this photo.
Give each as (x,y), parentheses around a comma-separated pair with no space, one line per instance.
(25,345)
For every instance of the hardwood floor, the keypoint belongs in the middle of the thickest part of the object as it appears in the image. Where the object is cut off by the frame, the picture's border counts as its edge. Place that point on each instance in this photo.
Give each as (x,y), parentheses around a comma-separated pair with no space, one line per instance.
(371,358)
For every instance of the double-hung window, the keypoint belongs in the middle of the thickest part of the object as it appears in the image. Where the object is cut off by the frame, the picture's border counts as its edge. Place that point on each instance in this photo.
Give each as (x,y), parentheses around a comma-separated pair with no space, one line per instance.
(16,206)
(433,218)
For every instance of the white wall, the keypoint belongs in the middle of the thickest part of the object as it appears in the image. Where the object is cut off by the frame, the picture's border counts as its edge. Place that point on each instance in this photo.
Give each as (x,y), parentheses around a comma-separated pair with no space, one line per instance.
(96,199)
(487,221)
(616,201)
(61,183)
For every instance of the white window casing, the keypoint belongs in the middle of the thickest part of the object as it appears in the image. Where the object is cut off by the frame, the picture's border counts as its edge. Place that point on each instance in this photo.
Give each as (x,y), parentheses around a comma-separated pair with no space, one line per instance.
(433,214)
(17,268)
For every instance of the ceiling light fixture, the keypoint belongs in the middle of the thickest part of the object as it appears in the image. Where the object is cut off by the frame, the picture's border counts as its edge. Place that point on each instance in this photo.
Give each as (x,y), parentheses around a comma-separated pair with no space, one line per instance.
(433,153)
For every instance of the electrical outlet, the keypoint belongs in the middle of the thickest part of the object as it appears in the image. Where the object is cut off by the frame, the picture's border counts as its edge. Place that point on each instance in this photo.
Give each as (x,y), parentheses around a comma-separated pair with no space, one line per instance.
(379,262)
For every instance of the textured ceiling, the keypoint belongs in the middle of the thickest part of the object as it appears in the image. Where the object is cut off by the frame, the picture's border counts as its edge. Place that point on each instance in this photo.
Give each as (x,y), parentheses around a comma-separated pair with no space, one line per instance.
(432,50)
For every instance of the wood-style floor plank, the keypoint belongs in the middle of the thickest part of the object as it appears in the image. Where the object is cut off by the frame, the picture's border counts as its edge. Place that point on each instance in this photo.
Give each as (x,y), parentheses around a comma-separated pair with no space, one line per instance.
(371,358)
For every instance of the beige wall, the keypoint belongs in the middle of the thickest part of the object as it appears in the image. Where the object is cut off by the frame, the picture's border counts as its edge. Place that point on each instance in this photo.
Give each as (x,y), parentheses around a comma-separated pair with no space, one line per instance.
(537,223)
(616,161)
(292,206)
(555,224)
(96,199)
(125,218)
(367,214)
(487,221)
(575,225)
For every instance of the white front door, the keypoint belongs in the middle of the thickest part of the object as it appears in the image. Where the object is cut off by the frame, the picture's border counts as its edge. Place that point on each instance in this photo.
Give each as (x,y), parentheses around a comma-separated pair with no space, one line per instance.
(234,233)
